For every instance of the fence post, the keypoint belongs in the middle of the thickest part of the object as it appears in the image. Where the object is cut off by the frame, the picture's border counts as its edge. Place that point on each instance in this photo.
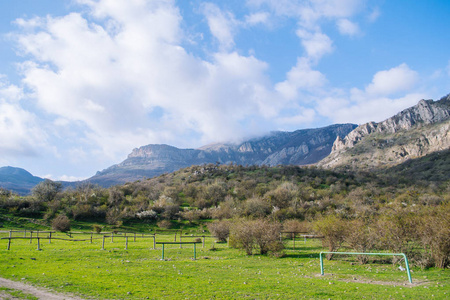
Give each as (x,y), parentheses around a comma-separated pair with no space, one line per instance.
(162,251)
(112,237)
(154,242)
(39,244)
(24,233)
(135,236)
(31,236)
(103,243)
(203,245)
(9,244)
(293,238)
(91,237)
(126,243)
(195,251)
(321,263)
(50,238)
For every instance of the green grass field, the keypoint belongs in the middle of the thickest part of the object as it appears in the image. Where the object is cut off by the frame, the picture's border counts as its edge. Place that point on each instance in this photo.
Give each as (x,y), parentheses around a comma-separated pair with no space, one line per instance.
(219,272)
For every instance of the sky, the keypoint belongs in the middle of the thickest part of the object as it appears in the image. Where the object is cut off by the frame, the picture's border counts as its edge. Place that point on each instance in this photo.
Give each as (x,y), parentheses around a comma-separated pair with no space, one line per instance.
(84,82)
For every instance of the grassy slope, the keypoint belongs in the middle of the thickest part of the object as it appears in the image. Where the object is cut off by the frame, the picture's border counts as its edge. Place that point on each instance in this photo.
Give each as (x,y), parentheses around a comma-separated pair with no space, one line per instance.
(137,273)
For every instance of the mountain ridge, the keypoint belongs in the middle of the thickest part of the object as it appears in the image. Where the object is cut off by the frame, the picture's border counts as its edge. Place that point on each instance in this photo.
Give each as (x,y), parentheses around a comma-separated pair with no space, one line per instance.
(300,147)
(412,133)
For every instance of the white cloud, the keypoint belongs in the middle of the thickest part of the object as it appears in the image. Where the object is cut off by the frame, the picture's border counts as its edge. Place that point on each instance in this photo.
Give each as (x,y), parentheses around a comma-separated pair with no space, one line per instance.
(347,27)
(257,18)
(19,131)
(108,79)
(360,108)
(221,24)
(374,15)
(303,77)
(397,79)
(316,44)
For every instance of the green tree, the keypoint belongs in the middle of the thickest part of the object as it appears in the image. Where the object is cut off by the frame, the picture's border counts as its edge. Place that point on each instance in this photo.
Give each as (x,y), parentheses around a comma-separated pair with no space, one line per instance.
(46,190)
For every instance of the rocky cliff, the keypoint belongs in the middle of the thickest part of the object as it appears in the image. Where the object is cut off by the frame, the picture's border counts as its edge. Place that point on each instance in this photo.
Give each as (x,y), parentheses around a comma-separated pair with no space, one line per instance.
(300,147)
(412,133)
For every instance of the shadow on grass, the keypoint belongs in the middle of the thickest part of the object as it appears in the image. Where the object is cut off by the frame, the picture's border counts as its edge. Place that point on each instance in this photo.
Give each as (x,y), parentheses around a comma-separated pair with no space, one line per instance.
(308,249)
(301,255)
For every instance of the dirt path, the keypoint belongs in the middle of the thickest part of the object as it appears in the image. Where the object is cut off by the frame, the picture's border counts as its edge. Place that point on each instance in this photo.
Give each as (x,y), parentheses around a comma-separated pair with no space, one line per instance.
(40,293)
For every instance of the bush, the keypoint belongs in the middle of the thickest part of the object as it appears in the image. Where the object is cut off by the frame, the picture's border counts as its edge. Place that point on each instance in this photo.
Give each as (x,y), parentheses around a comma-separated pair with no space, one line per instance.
(61,223)
(220,229)
(333,230)
(435,235)
(295,226)
(97,228)
(360,238)
(165,224)
(249,234)
(241,236)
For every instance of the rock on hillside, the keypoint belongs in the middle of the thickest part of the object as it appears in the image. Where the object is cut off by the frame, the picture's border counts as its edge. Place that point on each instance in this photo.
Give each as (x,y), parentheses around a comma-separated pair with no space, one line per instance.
(300,147)
(412,133)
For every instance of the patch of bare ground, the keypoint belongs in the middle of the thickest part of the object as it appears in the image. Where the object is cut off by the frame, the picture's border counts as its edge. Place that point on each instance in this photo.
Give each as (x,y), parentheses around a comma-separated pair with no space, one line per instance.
(367,281)
(40,293)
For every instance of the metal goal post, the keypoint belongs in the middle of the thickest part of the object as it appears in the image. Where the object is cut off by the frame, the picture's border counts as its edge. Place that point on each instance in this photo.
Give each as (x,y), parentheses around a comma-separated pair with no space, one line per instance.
(358,253)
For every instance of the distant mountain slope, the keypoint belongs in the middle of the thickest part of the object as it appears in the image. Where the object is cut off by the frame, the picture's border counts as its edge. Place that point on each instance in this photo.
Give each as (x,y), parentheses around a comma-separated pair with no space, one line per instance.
(434,167)
(18,180)
(300,147)
(412,133)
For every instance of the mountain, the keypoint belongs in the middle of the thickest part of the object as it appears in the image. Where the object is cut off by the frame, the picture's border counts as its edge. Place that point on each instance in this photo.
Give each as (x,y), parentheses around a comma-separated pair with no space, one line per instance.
(18,180)
(413,133)
(301,147)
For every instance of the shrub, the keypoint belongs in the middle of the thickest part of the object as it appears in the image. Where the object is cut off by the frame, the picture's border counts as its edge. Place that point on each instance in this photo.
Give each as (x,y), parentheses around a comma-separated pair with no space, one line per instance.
(333,230)
(267,236)
(256,207)
(435,235)
(191,215)
(295,226)
(241,236)
(360,237)
(165,224)
(61,223)
(249,234)
(220,229)
(97,228)
(147,215)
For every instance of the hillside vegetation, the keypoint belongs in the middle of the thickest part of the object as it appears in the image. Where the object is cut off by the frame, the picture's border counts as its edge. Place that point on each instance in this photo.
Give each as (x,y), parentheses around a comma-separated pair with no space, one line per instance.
(397,210)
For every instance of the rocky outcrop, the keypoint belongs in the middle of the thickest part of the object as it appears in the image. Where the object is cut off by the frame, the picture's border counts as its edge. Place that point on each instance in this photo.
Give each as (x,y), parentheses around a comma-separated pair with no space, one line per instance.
(412,133)
(300,147)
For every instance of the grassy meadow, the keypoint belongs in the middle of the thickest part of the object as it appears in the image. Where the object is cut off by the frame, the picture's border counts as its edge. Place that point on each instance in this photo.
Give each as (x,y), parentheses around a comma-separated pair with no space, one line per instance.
(219,272)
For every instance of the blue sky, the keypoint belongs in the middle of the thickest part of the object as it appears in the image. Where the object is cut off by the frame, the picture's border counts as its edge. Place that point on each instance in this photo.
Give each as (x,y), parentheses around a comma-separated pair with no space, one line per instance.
(83,82)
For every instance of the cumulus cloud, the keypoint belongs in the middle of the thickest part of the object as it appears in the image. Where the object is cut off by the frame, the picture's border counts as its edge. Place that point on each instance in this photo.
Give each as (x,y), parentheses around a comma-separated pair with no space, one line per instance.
(316,44)
(301,76)
(361,108)
(109,77)
(397,79)
(20,132)
(378,101)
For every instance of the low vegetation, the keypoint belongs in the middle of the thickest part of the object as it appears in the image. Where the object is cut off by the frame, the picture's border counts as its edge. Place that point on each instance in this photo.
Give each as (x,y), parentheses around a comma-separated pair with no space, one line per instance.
(251,205)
